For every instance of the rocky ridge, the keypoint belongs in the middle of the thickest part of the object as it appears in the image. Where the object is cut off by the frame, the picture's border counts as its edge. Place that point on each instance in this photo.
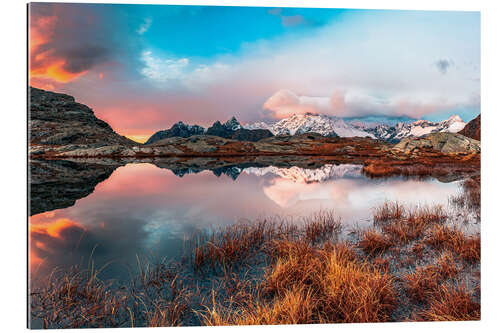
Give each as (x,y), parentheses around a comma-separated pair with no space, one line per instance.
(179,129)
(56,119)
(231,129)
(473,129)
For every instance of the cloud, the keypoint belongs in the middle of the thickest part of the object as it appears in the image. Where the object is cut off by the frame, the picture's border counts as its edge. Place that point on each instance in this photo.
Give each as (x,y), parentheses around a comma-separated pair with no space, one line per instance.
(365,63)
(292,20)
(69,40)
(275,11)
(163,70)
(145,26)
(443,65)
(285,103)
(287,20)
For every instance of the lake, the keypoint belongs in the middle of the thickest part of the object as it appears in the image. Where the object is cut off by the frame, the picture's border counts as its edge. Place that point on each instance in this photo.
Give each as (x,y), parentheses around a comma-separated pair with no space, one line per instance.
(143,210)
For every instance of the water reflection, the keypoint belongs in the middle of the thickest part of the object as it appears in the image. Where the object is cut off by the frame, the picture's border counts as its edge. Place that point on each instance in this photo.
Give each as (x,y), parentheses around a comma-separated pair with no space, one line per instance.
(142,209)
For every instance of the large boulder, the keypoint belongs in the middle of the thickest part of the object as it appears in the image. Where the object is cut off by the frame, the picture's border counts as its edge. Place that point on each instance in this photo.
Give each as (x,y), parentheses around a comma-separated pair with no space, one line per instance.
(447,143)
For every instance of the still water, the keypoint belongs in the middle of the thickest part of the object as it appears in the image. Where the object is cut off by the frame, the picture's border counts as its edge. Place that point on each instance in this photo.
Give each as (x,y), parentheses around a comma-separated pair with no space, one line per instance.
(143,210)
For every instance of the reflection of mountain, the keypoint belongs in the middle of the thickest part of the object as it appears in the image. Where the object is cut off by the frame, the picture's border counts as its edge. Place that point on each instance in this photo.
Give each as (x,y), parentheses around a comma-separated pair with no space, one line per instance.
(302,175)
(230,171)
(58,184)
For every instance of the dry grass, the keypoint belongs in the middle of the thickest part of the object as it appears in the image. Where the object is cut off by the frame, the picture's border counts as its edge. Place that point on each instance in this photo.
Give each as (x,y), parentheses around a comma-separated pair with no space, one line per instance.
(272,272)
(77,298)
(321,226)
(403,225)
(452,304)
(229,246)
(373,242)
(389,211)
(306,284)
(454,240)
(422,284)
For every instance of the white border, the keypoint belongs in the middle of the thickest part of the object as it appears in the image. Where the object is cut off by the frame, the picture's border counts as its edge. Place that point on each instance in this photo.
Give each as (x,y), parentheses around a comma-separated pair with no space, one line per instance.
(13,134)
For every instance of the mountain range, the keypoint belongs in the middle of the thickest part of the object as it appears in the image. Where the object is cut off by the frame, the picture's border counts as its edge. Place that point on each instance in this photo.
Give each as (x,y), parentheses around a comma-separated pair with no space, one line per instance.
(328,126)
(231,129)
(334,126)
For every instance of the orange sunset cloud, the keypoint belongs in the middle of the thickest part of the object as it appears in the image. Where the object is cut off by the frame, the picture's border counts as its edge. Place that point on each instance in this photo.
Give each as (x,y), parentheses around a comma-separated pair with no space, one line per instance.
(43,64)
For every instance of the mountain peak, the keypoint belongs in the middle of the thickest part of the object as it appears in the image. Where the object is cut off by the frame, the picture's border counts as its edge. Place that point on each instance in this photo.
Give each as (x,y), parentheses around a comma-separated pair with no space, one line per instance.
(454,118)
(232,124)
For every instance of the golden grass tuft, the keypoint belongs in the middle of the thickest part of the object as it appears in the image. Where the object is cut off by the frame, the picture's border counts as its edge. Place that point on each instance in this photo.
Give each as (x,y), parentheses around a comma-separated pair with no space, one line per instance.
(451,238)
(77,298)
(310,285)
(373,242)
(321,226)
(389,211)
(452,304)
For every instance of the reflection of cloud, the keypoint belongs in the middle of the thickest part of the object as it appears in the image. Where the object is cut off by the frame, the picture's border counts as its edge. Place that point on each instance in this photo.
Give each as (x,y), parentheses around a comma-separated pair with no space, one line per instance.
(49,238)
(142,209)
(357,195)
(286,192)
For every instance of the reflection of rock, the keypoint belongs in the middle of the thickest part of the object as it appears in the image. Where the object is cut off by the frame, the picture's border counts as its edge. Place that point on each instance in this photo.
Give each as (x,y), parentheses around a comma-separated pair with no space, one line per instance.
(58,184)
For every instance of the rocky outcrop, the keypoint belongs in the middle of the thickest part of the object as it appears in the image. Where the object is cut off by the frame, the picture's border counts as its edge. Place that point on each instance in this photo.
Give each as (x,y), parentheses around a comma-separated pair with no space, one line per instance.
(56,121)
(179,129)
(473,129)
(447,143)
(244,134)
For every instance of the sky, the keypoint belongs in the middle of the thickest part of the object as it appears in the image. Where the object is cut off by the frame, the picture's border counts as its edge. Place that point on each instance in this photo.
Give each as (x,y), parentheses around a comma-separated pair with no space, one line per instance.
(143,68)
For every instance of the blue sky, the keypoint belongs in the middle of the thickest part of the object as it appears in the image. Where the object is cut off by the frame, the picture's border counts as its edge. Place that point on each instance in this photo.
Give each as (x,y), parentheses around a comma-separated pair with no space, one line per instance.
(144,67)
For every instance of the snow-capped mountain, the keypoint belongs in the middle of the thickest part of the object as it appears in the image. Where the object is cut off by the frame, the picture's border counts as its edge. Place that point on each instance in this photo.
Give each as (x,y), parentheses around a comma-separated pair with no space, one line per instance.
(301,175)
(322,124)
(417,128)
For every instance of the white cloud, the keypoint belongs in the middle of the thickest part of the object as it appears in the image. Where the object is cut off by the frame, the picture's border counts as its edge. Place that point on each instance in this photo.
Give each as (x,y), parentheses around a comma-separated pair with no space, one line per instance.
(163,70)
(365,63)
(145,26)
(285,103)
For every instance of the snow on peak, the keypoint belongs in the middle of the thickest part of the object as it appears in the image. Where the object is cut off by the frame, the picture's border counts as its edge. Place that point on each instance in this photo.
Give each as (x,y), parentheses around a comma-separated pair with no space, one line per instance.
(305,123)
(454,118)
(331,126)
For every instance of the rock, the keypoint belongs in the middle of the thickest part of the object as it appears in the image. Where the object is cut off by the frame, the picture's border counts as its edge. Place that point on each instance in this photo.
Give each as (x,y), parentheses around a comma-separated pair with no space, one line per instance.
(447,143)
(177,130)
(473,129)
(244,134)
(217,129)
(56,120)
